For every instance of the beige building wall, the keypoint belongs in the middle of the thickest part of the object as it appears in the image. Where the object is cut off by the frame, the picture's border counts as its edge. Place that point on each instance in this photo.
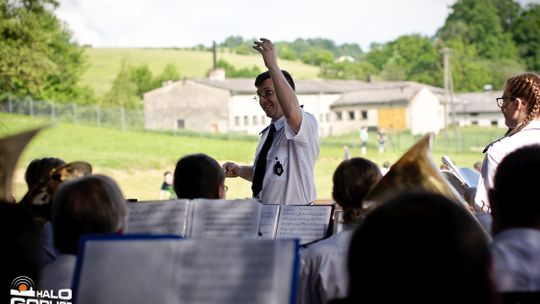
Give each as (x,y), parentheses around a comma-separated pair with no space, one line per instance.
(187,104)
(425,113)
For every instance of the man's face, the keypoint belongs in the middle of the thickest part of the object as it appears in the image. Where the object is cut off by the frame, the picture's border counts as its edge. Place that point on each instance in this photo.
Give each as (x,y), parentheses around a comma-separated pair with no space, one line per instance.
(268,100)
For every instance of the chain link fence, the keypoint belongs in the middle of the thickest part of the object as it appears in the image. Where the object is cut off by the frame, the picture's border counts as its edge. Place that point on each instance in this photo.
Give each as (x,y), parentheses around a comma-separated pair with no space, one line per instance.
(115,117)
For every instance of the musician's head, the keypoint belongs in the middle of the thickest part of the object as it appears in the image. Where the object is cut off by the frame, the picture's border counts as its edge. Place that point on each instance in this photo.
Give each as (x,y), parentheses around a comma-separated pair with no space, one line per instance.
(199,176)
(521,100)
(419,247)
(352,180)
(514,199)
(89,204)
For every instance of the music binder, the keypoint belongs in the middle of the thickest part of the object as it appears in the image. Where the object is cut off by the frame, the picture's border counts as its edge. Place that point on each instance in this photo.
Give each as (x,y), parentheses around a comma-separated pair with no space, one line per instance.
(166,269)
(235,218)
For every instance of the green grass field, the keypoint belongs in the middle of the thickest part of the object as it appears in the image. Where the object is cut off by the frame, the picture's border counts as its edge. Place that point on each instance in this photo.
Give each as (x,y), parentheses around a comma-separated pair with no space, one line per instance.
(104,64)
(137,160)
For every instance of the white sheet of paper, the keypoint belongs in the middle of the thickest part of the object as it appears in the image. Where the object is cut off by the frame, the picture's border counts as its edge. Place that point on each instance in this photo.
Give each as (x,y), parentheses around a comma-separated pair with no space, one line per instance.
(187,271)
(221,218)
(306,222)
(268,224)
(157,217)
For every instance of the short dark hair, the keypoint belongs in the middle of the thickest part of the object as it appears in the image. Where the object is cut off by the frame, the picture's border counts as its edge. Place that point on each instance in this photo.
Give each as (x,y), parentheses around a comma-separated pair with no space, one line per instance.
(39,169)
(352,181)
(514,194)
(198,176)
(425,248)
(265,75)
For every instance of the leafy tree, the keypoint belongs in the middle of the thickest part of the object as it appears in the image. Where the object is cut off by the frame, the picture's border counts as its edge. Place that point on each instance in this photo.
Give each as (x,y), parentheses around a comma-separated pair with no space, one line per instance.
(317,57)
(37,55)
(508,10)
(170,73)
(231,72)
(142,77)
(123,91)
(360,70)
(526,34)
(477,22)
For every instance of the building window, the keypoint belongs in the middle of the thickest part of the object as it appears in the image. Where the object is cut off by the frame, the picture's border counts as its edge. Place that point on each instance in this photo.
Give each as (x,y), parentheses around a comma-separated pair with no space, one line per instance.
(246,120)
(364,115)
(494,123)
(474,122)
(237,120)
(327,116)
(321,117)
(263,120)
(180,124)
(351,115)
(474,114)
(255,120)
(339,116)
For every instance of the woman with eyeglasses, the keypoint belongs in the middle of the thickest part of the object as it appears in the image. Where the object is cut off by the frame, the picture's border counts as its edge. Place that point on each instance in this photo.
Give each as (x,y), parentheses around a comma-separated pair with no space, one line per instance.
(520,105)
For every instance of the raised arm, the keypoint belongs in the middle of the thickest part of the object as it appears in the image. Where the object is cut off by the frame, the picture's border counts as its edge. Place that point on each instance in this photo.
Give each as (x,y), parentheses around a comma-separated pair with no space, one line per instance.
(234,170)
(285,94)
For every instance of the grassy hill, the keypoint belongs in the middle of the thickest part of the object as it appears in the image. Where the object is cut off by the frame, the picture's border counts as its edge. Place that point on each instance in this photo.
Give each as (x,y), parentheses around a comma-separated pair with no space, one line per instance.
(104,63)
(137,159)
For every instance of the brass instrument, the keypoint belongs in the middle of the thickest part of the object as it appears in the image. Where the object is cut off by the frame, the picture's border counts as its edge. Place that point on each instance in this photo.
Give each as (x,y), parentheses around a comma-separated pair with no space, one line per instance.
(70,171)
(414,170)
(11,148)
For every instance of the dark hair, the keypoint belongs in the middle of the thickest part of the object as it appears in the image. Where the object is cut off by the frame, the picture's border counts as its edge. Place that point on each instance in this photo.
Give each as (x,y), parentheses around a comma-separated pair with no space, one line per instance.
(166,173)
(265,75)
(198,176)
(420,248)
(90,204)
(514,198)
(20,236)
(352,180)
(39,169)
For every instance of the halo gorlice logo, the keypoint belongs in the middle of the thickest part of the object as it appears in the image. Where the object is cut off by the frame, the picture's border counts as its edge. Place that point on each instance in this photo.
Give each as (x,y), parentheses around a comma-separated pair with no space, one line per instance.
(23,292)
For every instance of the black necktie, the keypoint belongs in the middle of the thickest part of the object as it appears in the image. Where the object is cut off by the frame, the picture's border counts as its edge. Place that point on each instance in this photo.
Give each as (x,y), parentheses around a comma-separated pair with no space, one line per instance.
(260,166)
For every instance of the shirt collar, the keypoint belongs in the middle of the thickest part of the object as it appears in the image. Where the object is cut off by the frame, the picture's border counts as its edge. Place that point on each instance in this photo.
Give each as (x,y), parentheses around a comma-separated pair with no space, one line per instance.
(278,124)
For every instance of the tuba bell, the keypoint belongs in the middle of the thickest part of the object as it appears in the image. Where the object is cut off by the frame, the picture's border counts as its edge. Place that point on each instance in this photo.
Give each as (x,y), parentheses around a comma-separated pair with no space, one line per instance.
(414,170)
(11,148)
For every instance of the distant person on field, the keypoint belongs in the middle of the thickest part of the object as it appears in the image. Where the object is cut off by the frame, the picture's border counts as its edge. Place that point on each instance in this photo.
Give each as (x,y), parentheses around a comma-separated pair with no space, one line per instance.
(381,139)
(420,248)
(167,191)
(323,266)
(283,169)
(90,204)
(520,105)
(478,166)
(199,176)
(364,137)
(515,207)
(347,152)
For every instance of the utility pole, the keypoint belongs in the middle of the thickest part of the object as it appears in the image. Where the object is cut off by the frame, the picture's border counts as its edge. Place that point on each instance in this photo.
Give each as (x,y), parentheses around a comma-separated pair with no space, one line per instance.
(448,87)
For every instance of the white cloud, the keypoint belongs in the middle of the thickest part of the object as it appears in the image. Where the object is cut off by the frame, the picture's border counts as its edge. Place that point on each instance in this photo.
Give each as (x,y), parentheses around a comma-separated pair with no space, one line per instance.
(184,23)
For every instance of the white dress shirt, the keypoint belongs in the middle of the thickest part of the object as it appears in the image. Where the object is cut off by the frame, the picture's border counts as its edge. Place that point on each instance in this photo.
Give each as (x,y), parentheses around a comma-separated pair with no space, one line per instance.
(290,163)
(58,274)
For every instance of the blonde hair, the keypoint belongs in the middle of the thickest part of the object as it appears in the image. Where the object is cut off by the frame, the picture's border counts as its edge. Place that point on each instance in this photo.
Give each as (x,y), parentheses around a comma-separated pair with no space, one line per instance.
(527,87)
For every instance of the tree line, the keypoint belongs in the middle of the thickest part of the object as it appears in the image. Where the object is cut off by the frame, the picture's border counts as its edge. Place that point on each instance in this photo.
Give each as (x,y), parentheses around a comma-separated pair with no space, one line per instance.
(489,40)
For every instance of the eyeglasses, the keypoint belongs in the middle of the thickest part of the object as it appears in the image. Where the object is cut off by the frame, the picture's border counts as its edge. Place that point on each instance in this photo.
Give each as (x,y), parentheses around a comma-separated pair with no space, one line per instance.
(500,100)
(266,94)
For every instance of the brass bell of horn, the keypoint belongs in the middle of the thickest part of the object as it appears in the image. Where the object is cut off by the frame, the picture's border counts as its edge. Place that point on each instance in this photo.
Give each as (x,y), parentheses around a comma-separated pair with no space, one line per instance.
(414,170)
(11,148)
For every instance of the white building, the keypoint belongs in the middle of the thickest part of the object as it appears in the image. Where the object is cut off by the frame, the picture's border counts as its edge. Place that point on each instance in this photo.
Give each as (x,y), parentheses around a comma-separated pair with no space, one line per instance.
(340,106)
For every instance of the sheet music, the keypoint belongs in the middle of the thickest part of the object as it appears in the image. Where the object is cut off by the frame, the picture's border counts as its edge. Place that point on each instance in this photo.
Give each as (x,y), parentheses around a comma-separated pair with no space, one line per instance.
(268,224)
(221,218)
(157,217)
(187,271)
(308,223)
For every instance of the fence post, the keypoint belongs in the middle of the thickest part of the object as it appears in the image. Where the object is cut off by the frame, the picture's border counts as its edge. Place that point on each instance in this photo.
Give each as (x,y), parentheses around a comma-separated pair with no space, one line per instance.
(123,117)
(31,106)
(74,107)
(98,116)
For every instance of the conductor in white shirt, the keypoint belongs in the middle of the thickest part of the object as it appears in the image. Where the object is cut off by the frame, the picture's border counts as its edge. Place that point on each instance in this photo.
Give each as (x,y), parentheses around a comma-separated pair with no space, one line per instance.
(285,157)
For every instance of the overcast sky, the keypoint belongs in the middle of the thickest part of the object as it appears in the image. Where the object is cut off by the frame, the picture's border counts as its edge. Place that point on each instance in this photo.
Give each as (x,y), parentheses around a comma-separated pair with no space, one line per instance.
(185,23)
